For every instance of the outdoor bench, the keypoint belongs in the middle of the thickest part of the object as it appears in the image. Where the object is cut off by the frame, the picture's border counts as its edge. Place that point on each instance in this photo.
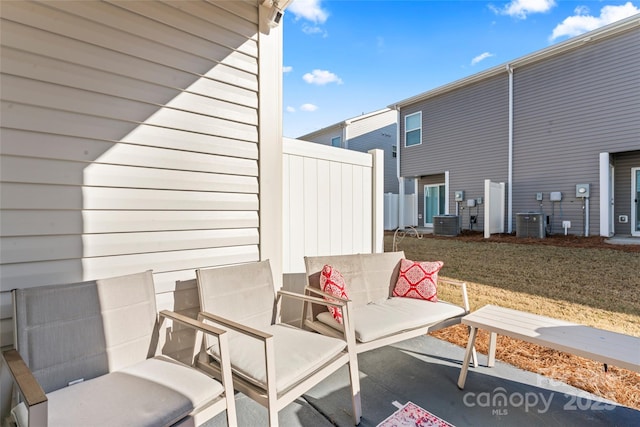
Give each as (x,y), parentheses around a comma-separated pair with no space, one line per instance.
(608,347)
(374,317)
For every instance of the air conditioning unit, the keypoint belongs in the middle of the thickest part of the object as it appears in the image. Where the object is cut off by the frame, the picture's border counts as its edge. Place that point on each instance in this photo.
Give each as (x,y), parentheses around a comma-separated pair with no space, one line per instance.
(530,224)
(446,225)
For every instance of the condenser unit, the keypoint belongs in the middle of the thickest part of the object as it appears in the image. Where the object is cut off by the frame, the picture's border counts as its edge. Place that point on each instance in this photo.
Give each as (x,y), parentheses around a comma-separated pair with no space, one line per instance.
(530,224)
(446,225)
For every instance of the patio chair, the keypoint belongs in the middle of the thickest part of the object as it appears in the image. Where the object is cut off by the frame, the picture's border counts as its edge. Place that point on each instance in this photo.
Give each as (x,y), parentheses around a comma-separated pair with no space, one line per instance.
(86,355)
(272,363)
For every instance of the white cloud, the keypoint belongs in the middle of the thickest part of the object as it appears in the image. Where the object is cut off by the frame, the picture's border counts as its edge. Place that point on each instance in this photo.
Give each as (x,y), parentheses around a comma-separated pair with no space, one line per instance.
(481,57)
(311,10)
(287,69)
(314,29)
(321,77)
(290,109)
(582,22)
(308,107)
(521,8)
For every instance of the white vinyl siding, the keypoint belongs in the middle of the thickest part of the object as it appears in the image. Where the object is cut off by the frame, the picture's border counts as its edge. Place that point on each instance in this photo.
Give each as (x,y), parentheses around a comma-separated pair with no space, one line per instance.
(130,140)
(413,129)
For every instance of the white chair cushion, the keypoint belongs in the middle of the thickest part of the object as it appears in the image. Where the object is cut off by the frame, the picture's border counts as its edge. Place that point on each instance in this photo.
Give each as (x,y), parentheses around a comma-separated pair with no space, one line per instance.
(297,354)
(393,315)
(155,392)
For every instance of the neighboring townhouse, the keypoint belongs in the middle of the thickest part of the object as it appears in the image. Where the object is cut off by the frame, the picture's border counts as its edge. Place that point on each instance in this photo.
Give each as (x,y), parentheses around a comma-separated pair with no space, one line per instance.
(363,133)
(560,127)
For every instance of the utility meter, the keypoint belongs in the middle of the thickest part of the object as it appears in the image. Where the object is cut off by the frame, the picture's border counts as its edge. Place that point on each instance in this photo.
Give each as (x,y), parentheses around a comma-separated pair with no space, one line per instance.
(582,190)
(459,196)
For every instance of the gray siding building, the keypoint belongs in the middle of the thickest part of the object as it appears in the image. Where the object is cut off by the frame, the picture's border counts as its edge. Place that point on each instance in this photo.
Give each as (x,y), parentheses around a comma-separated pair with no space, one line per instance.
(546,124)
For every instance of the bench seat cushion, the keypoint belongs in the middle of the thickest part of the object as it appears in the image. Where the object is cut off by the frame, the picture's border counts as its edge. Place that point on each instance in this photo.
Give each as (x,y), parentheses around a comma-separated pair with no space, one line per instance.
(393,315)
(297,354)
(155,392)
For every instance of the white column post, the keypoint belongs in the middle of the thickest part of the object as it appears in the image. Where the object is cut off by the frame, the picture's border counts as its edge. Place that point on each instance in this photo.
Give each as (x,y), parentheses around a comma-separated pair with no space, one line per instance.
(487,208)
(270,144)
(605,196)
(377,201)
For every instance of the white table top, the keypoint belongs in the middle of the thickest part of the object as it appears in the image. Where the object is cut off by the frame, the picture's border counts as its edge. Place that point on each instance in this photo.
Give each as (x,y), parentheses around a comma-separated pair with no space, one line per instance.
(598,344)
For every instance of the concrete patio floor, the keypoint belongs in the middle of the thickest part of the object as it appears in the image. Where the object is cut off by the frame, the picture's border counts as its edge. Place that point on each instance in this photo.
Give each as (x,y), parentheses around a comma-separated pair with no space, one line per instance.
(425,370)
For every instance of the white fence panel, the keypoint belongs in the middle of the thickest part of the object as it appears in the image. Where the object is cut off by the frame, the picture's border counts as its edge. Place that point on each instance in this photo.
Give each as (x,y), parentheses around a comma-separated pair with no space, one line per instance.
(410,210)
(331,202)
(494,206)
(390,211)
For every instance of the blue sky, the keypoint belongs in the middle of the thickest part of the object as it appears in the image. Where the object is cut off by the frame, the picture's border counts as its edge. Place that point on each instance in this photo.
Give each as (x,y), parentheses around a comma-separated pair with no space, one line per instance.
(343,58)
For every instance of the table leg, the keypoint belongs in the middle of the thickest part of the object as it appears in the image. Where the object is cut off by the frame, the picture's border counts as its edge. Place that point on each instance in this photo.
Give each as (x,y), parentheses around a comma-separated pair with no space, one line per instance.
(467,356)
(491,355)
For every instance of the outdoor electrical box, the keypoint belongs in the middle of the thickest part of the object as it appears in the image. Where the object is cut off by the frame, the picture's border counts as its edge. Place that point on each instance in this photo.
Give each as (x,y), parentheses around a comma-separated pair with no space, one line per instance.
(479,201)
(530,224)
(471,203)
(459,196)
(539,197)
(582,190)
(555,196)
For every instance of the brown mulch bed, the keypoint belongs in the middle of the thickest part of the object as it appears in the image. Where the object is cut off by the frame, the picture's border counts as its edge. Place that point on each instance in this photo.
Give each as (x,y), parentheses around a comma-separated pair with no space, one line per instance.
(573,241)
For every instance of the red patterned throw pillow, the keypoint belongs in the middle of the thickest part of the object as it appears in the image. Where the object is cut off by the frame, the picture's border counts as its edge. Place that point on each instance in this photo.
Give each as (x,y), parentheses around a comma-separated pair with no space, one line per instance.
(418,280)
(332,282)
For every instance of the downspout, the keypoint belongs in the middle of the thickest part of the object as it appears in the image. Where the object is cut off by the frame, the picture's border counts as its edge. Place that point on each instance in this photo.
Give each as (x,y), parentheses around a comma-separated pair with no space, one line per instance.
(400,179)
(510,177)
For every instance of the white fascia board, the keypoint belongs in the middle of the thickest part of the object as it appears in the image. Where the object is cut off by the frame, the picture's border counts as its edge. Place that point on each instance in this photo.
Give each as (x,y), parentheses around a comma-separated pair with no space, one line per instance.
(366,116)
(342,124)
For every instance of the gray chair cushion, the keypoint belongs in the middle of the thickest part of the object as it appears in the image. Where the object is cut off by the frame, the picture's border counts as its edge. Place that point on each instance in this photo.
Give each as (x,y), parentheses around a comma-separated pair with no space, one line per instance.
(297,354)
(155,392)
(388,317)
(84,330)
(242,293)
(59,333)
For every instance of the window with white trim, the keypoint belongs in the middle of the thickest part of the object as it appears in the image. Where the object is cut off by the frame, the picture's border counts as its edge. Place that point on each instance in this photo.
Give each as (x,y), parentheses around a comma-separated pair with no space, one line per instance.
(413,129)
(336,141)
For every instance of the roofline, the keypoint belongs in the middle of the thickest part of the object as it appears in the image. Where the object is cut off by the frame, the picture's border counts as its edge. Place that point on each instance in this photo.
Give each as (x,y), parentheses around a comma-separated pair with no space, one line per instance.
(366,116)
(570,44)
(346,122)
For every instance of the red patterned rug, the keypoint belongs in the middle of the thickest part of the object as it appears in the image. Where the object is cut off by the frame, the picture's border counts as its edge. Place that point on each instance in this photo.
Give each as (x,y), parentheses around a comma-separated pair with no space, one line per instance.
(411,415)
